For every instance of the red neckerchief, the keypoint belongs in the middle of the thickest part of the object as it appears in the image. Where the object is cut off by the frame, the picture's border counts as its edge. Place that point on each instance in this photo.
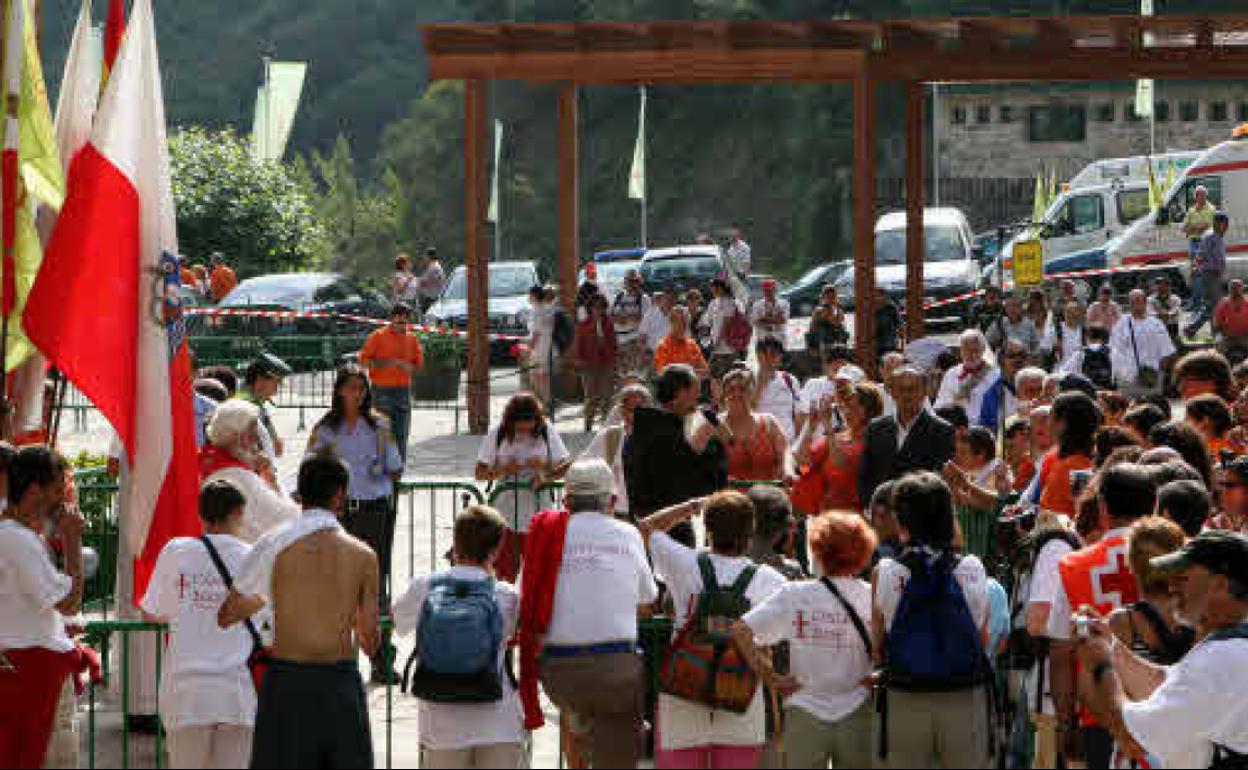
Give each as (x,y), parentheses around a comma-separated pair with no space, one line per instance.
(968,373)
(213,459)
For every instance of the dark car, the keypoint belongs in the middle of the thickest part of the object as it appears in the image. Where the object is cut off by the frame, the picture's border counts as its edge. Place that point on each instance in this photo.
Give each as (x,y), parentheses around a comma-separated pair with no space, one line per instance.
(317,293)
(803,296)
(677,270)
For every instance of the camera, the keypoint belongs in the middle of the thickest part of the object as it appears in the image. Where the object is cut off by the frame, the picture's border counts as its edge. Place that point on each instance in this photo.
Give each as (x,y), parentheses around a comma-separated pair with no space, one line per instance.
(1012,530)
(1083,626)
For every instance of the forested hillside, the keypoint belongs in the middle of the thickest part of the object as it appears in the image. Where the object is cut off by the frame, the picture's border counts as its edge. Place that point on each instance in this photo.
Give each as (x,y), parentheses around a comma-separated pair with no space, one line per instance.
(772,159)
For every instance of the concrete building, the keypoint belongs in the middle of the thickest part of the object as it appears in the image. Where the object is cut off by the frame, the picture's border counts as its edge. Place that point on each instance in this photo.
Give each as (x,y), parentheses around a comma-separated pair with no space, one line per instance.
(1012,131)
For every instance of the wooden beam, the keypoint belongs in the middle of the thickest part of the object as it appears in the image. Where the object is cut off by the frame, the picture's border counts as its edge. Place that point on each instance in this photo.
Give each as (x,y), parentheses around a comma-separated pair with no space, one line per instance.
(476,254)
(569,195)
(864,222)
(637,66)
(915,250)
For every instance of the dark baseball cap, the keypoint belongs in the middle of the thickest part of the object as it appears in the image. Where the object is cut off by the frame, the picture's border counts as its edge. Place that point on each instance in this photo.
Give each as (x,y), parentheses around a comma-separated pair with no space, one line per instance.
(1077,383)
(269,365)
(1222,553)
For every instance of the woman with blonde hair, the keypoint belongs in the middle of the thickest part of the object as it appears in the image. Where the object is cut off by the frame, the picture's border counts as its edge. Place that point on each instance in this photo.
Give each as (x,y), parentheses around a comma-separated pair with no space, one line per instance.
(1150,627)
(757,448)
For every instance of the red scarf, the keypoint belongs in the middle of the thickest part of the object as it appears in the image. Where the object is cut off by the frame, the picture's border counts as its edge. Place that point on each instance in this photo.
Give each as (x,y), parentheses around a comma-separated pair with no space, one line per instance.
(543,555)
(968,372)
(213,459)
(30,688)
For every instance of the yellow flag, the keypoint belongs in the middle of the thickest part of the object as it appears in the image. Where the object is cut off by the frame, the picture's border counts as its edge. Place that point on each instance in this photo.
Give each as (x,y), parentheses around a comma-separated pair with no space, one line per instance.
(41,183)
(1041,204)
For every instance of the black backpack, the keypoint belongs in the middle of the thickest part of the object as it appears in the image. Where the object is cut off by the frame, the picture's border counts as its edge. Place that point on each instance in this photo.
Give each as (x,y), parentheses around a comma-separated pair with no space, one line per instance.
(564,332)
(1098,367)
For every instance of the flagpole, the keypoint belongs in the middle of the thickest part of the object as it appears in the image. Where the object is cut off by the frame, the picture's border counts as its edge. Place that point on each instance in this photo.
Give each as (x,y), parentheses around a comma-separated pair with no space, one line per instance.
(645,181)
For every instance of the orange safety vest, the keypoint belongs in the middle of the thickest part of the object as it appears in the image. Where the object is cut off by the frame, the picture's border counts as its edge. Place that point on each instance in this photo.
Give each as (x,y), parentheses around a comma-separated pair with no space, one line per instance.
(1099,577)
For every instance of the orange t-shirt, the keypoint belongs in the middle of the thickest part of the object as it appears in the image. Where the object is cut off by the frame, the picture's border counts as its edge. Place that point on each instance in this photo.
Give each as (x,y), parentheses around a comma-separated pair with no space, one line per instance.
(678,351)
(1056,495)
(387,345)
(188,278)
(221,282)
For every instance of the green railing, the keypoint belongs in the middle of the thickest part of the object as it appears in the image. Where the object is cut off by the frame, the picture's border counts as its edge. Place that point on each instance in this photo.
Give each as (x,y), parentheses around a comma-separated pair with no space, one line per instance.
(445,500)
(977,530)
(99,634)
(97,498)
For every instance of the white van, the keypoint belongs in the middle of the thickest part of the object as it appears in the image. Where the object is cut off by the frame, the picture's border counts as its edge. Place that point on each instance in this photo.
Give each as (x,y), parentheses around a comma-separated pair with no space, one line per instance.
(1099,204)
(1158,238)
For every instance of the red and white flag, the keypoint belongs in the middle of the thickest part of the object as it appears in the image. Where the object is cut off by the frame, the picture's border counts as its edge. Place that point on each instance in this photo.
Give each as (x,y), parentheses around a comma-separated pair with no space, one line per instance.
(104,308)
(13,49)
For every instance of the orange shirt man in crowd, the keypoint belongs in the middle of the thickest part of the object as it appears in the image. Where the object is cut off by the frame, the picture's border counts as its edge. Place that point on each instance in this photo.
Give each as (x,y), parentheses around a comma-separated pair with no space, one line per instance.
(391,354)
(222,280)
(678,347)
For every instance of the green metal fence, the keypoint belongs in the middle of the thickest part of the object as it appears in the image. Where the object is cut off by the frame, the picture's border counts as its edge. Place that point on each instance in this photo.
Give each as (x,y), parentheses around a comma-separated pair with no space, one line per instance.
(97,498)
(445,499)
(100,635)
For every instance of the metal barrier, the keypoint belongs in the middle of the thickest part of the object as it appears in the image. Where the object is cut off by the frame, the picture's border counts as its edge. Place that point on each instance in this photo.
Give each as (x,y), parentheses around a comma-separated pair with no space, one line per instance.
(97,498)
(977,530)
(99,634)
(514,499)
(451,496)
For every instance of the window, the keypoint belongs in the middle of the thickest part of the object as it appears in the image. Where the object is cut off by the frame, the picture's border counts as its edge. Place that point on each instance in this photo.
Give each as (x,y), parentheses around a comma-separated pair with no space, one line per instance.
(1132,115)
(1105,113)
(1057,123)
(1242,112)
(1006,114)
(959,116)
(1182,200)
(1189,112)
(1162,111)
(1133,204)
(1219,112)
(983,114)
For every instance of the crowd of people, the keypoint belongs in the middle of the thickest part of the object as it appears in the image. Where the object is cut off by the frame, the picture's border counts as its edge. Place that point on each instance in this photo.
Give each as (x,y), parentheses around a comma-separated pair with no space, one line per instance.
(1025,553)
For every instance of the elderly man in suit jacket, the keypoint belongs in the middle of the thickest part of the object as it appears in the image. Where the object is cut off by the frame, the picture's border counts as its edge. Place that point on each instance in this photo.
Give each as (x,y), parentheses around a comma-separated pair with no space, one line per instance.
(912,440)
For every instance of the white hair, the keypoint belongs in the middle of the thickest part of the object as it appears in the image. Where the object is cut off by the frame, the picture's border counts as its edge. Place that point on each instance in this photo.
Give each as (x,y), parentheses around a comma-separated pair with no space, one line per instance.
(230,423)
(974,334)
(1029,373)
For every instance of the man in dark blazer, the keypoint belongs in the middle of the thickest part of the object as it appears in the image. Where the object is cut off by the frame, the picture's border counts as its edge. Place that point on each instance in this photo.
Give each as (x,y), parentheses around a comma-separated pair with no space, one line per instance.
(913,440)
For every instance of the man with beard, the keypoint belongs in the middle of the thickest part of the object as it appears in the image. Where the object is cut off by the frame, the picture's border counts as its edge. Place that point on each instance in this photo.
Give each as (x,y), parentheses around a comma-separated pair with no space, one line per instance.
(1192,714)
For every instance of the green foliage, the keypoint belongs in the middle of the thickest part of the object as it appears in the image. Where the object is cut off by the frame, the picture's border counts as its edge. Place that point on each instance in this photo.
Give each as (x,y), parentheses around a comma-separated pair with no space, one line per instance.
(441,349)
(257,214)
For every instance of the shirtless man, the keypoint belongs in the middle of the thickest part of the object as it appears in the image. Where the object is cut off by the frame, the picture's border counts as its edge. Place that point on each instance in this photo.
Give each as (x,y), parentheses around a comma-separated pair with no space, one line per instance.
(322,584)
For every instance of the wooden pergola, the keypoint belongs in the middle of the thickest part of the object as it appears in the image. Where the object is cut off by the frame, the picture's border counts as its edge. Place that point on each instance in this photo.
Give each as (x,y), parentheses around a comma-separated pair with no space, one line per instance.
(862,53)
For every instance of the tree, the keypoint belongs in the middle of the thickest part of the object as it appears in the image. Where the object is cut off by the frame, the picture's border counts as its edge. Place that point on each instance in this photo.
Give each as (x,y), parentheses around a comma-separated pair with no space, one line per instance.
(257,214)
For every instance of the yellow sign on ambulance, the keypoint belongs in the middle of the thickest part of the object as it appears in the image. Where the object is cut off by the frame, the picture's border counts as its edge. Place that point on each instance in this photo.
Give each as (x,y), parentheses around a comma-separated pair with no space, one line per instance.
(1028,263)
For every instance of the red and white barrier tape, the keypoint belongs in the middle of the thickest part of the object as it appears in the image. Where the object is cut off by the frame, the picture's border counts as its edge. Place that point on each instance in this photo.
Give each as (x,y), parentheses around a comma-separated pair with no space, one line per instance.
(208,312)
(1060,277)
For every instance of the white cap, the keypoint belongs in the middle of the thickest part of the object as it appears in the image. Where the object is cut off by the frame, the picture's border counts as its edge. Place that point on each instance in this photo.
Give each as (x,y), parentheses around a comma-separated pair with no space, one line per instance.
(589,478)
(851,373)
(231,421)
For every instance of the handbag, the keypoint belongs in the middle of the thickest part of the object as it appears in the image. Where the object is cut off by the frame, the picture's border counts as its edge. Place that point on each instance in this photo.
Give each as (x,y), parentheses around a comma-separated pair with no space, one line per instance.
(809,490)
(1146,376)
(261,657)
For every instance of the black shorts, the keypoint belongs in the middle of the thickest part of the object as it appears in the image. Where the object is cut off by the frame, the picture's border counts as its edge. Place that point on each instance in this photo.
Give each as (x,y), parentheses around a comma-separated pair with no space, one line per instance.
(312,716)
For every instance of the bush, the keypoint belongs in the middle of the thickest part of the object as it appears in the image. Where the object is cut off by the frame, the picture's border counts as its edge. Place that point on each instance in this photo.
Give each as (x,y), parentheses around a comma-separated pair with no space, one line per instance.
(255,213)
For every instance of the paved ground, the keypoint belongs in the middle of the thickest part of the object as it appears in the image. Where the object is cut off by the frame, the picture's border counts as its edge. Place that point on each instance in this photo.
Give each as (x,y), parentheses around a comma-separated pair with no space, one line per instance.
(436,452)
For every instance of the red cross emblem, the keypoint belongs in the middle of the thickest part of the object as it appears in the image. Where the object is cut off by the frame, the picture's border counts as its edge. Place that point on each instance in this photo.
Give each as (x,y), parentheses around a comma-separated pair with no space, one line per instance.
(1113,582)
(182,586)
(801,624)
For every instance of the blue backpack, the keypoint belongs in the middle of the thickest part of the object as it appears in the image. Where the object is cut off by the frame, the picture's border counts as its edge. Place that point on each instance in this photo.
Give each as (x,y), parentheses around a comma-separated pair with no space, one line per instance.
(461,630)
(933,644)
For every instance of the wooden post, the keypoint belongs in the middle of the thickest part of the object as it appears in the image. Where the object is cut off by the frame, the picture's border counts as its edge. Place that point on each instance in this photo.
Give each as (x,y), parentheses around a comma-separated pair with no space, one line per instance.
(476,252)
(864,222)
(569,194)
(915,247)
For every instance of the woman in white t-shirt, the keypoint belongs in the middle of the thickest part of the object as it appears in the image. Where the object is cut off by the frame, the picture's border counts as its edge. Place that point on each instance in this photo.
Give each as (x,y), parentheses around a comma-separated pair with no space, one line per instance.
(953,720)
(828,716)
(406,285)
(520,455)
(207,698)
(690,734)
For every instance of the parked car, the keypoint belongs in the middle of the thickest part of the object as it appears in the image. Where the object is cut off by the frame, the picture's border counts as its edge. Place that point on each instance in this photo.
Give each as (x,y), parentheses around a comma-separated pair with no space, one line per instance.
(681,268)
(803,296)
(508,305)
(951,266)
(300,292)
(619,255)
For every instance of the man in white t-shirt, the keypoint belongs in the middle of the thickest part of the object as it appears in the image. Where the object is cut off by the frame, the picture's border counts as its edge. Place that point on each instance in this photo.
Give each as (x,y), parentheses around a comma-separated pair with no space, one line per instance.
(950,720)
(739,253)
(967,384)
(777,392)
(1192,714)
(207,697)
(232,454)
(1141,347)
(718,312)
(470,735)
(37,659)
(656,324)
(589,666)
(770,314)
